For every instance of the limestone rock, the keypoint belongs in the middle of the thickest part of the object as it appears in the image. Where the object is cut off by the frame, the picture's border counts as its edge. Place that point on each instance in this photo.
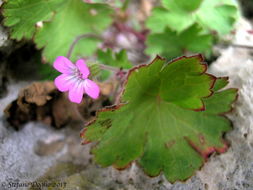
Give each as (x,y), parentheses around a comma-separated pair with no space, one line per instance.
(234,169)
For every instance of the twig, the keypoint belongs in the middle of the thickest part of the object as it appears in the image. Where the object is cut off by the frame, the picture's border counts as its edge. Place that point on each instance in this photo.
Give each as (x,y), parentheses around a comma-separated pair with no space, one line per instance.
(242,46)
(95,36)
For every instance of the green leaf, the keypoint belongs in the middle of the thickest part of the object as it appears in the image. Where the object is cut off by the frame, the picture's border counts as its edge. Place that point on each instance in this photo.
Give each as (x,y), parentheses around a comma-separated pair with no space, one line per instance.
(156,124)
(220,83)
(178,15)
(22,15)
(170,44)
(188,5)
(119,59)
(72,20)
(161,18)
(110,58)
(104,75)
(220,101)
(63,22)
(219,19)
(46,71)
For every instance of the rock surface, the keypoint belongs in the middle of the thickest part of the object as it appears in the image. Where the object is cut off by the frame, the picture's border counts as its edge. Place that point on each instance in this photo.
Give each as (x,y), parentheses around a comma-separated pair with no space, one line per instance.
(35,151)
(5,44)
(234,169)
(18,161)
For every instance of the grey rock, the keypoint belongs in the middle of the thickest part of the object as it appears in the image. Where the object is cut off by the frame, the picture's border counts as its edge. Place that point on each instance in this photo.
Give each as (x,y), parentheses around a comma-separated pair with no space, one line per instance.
(18,161)
(4,42)
(234,169)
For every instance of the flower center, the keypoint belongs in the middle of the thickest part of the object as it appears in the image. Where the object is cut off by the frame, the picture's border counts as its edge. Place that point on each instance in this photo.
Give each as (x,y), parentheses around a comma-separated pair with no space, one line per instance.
(78,74)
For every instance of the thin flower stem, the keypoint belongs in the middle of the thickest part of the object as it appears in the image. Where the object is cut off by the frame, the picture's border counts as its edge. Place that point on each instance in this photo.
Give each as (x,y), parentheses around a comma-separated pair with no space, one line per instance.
(109,68)
(95,36)
(242,46)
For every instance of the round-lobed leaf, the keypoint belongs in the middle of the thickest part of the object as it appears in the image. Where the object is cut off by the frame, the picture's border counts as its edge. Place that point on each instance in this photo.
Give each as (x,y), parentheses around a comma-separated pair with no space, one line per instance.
(178,15)
(169,119)
(170,44)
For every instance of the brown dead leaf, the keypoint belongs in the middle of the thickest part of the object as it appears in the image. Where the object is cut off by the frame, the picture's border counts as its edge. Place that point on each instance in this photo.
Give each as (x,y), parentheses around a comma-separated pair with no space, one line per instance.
(38,93)
(41,101)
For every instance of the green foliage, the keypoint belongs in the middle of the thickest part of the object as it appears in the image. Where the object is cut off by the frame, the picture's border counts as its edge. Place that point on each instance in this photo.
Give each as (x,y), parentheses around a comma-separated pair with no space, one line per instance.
(46,72)
(119,59)
(71,19)
(22,15)
(171,44)
(187,5)
(180,16)
(216,15)
(159,123)
(115,3)
(108,57)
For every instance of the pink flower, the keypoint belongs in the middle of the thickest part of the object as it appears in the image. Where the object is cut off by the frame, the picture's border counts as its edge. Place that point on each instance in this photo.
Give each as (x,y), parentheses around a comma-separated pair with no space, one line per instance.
(74,78)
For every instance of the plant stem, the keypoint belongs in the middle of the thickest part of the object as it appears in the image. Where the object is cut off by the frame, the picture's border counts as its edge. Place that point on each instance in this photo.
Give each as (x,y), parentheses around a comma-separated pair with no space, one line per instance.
(242,46)
(95,36)
(109,68)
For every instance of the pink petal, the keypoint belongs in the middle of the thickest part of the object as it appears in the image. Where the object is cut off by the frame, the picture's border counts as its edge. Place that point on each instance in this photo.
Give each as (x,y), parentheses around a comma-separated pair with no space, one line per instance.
(91,88)
(63,65)
(76,92)
(64,82)
(83,68)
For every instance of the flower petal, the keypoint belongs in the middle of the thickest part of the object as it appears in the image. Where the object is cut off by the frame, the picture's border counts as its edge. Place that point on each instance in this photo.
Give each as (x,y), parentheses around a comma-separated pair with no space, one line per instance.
(64,82)
(76,92)
(83,68)
(91,88)
(63,65)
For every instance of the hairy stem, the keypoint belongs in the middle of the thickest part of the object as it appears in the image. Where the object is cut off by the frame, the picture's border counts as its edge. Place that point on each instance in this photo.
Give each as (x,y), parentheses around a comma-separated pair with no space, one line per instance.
(109,68)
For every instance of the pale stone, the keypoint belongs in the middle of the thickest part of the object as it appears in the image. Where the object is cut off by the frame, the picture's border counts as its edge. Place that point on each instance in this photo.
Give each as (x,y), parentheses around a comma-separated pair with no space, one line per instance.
(233,170)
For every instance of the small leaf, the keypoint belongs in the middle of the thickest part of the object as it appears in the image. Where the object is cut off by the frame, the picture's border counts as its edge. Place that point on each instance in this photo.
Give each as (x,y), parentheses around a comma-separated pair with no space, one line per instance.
(178,15)
(73,19)
(220,19)
(170,44)
(161,18)
(119,59)
(156,124)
